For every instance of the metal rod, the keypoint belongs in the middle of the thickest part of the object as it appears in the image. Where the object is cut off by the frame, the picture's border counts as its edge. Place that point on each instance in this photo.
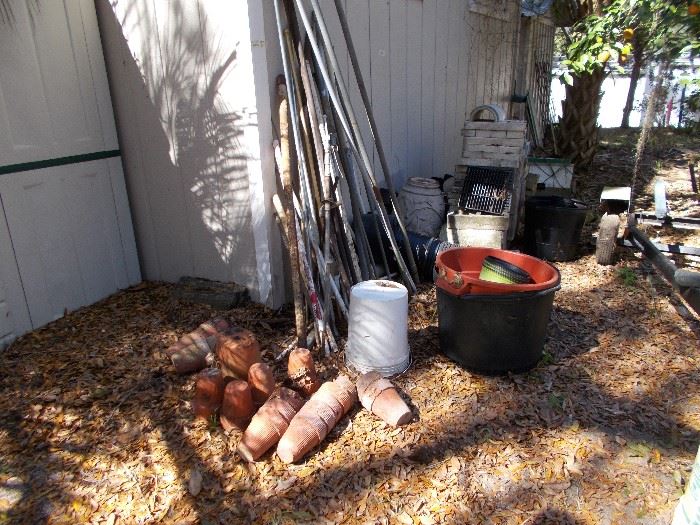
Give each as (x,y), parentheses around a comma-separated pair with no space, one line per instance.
(366,259)
(685,223)
(663,247)
(312,170)
(321,263)
(326,183)
(342,214)
(344,166)
(367,172)
(662,263)
(320,139)
(398,211)
(312,106)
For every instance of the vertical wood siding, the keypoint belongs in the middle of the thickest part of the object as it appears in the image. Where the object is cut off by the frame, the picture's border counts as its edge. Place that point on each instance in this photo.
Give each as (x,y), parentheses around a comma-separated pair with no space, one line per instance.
(427,64)
(186,93)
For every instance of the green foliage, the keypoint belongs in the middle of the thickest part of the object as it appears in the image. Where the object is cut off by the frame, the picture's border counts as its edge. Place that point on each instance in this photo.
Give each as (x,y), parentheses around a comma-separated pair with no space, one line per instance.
(627,276)
(547,358)
(591,42)
(659,29)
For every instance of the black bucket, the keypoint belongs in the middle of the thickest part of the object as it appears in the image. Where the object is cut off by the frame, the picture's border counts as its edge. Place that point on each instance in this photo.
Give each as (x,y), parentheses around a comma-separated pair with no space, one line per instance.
(494,334)
(553,227)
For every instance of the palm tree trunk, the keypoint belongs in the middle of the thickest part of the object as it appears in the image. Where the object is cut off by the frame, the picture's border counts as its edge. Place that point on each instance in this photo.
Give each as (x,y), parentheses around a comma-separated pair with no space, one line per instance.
(578,131)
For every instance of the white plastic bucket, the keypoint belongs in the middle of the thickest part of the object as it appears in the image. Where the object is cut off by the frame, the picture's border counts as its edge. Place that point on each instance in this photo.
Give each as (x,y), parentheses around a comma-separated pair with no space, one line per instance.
(378,328)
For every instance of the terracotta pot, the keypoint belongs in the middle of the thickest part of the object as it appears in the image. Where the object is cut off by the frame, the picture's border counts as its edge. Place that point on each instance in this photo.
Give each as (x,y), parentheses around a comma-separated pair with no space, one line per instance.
(379,396)
(329,395)
(174,348)
(209,393)
(197,338)
(326,414)
(344,391)
(190,358)
(237,350)
(237,406)
(316,419)
(214,326)
(302,371)
(269,423)
(261,382)
(210,329)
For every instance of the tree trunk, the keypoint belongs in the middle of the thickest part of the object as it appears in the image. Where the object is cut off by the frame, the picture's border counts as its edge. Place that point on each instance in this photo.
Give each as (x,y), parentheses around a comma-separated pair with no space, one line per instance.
(634,80)
(578,130)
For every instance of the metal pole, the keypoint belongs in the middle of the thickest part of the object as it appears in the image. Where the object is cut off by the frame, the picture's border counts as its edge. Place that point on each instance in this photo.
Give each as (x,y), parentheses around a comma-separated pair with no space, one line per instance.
(408,280)
(368,111)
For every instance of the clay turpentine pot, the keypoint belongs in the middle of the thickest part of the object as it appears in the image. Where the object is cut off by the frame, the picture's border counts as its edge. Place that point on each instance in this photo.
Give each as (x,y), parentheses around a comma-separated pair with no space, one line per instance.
(302,371)
(192,351)
(191,358)
(237,407)
(210,329)
(261,382)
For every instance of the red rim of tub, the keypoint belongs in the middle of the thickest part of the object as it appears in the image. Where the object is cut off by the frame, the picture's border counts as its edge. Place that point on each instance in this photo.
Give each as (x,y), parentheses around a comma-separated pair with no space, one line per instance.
(458,271)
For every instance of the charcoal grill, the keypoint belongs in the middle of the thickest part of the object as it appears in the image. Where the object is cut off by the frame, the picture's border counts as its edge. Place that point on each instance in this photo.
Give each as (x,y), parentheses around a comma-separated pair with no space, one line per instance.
(487,190)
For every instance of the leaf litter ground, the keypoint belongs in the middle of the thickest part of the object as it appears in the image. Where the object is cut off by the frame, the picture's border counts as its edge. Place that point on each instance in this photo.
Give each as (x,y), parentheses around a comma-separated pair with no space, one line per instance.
(96,428)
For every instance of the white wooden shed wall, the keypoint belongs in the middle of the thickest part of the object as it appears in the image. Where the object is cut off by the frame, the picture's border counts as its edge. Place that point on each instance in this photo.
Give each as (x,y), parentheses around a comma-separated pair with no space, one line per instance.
(193,90)
(190,86)
(427,64)
(66,238)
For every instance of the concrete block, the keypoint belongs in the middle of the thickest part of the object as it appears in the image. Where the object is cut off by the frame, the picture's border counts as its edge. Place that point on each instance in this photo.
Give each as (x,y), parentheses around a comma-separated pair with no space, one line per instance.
(489,231)
(484,133)
(489,148)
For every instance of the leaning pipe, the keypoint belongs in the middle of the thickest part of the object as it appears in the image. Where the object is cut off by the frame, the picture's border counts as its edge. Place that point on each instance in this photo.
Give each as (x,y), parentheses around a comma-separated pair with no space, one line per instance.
(679,279)
(410,284)
(345,96)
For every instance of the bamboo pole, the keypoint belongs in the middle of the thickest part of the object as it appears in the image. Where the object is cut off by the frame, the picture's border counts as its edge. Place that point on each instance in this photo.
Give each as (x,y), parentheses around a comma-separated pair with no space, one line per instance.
(299,310)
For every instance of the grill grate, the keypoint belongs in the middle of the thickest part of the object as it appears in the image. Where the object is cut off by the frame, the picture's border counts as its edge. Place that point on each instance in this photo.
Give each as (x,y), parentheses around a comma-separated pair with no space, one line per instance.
(487,189)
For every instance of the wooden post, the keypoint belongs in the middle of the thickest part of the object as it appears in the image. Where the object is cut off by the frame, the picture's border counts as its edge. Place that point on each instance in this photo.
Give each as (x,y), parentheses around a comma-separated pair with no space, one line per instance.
(299,310)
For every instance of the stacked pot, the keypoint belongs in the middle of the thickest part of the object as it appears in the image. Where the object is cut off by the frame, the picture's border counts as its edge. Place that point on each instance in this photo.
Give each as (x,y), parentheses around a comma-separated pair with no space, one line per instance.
(241,384)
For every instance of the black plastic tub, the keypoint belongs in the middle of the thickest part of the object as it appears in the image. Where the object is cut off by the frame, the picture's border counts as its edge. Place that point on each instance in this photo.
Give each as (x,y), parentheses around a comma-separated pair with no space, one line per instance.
(424,249)
(553,227)
(494,334)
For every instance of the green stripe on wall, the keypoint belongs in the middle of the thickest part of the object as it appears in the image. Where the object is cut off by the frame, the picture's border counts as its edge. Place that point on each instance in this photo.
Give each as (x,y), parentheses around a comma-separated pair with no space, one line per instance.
(59,161)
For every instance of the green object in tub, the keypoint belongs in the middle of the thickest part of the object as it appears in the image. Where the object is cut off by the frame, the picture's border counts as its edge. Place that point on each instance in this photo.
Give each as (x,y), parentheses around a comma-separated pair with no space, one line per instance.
(499,271)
